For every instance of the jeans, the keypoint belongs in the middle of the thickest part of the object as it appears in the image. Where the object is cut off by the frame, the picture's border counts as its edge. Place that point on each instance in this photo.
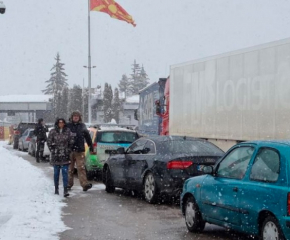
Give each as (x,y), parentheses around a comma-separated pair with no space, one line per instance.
(64,169)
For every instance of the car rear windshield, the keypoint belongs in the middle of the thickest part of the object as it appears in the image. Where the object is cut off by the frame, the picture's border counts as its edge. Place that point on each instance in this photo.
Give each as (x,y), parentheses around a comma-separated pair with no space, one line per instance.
(23,126)
(116,137)
(186,146)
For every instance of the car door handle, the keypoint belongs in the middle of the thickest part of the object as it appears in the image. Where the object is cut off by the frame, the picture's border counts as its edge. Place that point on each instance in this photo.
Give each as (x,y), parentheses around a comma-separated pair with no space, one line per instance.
(235,189)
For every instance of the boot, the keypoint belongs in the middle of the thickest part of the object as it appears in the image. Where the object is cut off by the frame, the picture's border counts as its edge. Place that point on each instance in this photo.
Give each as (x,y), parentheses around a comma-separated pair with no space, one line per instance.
(65,192)
(56,190)
(87,187)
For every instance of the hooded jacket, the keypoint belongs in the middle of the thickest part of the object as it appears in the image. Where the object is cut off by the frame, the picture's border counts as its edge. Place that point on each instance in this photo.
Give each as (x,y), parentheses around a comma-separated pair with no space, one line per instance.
(80,134)
(60,144)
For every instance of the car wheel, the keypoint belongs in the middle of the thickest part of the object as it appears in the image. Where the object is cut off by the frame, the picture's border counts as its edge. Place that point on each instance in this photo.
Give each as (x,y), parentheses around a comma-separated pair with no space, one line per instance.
(150,188)
(107,180)
(271,229)
(193,218)
(90,175)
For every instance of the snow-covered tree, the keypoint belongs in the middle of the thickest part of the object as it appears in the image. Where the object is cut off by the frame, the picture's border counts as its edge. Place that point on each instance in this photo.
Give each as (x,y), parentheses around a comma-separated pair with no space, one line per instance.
(75,99)
(64,101)
(116,105)
(124,85)
(57,80)
(139,78)
(108,97)
(85,104)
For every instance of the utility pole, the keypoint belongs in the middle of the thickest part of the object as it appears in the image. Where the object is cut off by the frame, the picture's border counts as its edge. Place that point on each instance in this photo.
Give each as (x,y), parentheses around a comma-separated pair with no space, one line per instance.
(89,63)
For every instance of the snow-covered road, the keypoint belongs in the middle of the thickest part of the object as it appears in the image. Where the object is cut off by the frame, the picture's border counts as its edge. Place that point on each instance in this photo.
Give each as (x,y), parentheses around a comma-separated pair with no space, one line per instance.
(28,207)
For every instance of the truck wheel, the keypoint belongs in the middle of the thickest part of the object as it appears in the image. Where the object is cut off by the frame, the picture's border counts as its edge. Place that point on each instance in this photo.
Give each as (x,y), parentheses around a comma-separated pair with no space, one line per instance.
(271,229)
(193,218)
(107,179)
(150,188)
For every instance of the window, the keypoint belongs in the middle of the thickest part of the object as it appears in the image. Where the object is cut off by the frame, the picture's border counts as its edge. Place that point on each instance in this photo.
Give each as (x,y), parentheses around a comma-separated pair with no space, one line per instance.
(151,147)
(235,164)
(137,147)
(266,166)
(188,146)
(116,137)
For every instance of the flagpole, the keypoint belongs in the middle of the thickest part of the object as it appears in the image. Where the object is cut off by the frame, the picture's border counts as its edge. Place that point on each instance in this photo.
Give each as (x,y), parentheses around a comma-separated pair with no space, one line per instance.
(89,63)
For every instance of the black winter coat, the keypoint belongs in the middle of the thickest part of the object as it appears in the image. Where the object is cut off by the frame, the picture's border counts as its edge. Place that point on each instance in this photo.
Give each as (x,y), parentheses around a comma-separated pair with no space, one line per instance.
(80,133)
(60,144)
(40,132)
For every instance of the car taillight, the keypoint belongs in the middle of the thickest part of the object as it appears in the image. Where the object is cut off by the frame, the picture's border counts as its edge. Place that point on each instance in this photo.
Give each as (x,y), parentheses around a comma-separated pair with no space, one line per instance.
(28,139)
(288,204)
(178,164)
(17,132)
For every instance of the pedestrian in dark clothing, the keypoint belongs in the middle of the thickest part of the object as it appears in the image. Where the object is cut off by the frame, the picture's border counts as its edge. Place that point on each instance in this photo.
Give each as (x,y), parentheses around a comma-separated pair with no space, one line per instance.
(80,133)
(40,133)
(60,142)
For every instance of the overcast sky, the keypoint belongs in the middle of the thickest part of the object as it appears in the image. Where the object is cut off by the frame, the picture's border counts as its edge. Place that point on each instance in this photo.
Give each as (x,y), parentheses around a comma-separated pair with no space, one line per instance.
(168,32)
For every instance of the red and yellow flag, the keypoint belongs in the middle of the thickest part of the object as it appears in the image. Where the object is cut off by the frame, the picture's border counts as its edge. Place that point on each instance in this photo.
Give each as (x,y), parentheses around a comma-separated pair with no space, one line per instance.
(113,9)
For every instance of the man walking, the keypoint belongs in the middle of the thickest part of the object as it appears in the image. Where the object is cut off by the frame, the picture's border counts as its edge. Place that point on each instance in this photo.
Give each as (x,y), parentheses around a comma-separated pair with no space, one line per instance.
(80,133)
(40,133)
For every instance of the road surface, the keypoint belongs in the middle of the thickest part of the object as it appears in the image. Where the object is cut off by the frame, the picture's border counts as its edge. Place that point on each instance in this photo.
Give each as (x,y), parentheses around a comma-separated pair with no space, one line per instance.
(97,215)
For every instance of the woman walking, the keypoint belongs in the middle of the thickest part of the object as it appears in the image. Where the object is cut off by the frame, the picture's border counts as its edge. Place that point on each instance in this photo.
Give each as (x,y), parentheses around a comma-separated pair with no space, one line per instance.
(59,142)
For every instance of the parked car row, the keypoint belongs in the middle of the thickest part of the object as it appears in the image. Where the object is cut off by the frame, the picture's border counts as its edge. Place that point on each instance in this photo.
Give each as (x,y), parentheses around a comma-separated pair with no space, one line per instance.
(246,189)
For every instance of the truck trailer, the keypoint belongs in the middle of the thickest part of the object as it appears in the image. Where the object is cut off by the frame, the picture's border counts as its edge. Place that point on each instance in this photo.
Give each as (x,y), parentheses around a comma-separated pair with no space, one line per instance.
(233,97)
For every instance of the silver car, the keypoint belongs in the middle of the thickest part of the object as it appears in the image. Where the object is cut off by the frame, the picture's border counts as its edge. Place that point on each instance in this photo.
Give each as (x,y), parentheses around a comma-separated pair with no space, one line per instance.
(24,140)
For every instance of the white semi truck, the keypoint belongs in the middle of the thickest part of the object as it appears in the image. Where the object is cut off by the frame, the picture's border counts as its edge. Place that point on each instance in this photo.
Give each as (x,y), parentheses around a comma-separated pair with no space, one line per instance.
(237,96)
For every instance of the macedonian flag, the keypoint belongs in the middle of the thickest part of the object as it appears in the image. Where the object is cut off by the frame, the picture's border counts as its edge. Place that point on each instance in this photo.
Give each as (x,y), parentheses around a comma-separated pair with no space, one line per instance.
(113,9)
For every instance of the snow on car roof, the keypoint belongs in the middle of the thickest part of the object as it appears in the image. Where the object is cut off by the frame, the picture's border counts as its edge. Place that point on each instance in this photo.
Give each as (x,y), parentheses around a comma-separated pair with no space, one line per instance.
(25,98)
(115,128)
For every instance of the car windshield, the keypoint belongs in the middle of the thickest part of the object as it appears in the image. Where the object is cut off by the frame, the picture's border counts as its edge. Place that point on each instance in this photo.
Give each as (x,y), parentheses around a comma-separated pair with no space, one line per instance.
(116,137)
(187,146)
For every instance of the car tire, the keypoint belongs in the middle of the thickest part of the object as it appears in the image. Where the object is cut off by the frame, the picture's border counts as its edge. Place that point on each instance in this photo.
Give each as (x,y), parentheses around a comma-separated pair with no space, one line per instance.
(271,229)
(150,188)
(193,217)
(107,180)
(90,175)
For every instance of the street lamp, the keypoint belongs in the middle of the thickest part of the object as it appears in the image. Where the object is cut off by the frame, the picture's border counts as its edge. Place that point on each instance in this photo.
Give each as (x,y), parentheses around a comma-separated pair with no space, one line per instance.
(89,97)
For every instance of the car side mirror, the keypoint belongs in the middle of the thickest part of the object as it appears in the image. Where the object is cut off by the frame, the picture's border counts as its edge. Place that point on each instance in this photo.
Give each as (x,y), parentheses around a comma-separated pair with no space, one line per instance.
(208,170)
(121,150)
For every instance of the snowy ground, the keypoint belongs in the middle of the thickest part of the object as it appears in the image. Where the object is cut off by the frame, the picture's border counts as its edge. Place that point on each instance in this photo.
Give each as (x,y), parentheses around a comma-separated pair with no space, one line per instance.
(28,207)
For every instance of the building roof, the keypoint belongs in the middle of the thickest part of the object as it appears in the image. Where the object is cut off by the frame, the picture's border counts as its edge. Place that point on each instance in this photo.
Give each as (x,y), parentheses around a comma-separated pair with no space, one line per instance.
(132,99)
(24,98)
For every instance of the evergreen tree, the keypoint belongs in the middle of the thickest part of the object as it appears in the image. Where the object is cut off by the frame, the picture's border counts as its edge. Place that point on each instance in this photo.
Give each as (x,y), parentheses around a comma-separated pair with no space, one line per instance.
(85,105)
(64,103)
(75,99)
(124,85)
(108,97)
(57,79)
(55,85)
(139,79)
(116,106)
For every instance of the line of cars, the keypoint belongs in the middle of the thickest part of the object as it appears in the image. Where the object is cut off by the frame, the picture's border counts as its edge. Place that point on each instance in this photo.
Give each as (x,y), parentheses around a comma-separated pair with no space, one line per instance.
(246,189)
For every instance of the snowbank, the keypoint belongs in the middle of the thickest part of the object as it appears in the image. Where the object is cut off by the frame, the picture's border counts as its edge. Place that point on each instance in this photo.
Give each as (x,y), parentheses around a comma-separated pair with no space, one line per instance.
(28,207)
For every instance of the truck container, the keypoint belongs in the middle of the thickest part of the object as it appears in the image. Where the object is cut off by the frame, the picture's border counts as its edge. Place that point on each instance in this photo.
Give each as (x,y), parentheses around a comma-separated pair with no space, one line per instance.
(232,97)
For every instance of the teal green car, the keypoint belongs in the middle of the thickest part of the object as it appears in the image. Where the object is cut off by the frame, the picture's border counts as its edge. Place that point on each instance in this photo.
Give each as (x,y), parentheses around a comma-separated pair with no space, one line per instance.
(106,140)
(248,190)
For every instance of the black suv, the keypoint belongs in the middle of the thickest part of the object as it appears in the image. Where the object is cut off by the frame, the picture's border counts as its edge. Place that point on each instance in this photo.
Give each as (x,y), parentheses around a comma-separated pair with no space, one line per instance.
(19,130)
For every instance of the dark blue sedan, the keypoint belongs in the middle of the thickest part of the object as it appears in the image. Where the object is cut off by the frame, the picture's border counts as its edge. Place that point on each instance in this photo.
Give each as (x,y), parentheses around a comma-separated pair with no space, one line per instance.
(158,165)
